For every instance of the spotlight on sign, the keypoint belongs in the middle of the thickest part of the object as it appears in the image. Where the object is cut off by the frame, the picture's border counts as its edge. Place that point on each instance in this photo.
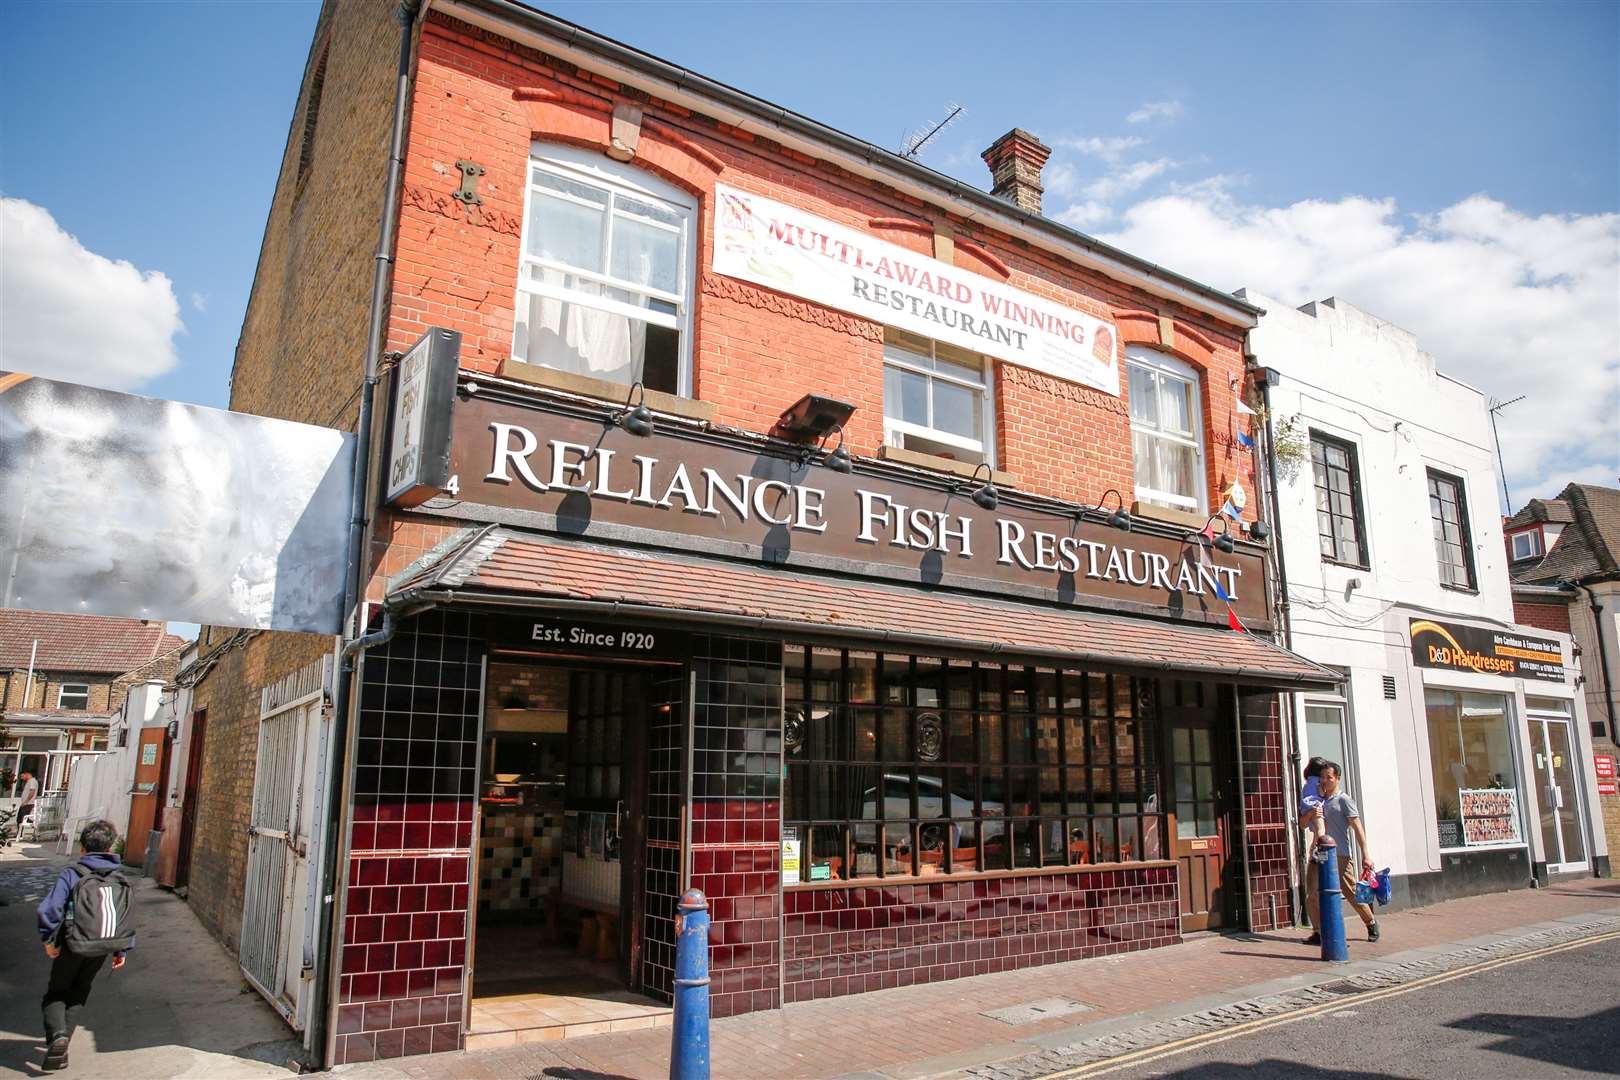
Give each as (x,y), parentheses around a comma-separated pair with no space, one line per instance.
(839,460)
(1121,518)
(1259,531)
(638,421)
(812,418)
(1222,542)
(985,497)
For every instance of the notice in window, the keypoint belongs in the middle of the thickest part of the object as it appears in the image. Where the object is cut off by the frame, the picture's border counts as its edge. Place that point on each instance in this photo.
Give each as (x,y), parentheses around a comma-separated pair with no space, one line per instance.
(1490,816)
(783,248)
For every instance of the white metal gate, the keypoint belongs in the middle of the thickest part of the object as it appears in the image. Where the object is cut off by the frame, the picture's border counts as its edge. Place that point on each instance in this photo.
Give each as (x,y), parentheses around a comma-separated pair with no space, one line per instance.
(280,907)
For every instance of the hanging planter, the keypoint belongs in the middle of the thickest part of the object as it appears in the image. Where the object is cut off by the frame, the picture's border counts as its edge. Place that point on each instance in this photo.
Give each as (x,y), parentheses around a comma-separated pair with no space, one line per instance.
(1290,447)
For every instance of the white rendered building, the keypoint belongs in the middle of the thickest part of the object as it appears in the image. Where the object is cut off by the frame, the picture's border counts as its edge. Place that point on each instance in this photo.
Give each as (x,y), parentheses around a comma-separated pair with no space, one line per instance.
(1463,736)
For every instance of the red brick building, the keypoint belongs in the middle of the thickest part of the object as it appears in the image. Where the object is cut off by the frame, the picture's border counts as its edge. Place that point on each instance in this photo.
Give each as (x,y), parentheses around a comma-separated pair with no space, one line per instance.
(62,680)
(898,621)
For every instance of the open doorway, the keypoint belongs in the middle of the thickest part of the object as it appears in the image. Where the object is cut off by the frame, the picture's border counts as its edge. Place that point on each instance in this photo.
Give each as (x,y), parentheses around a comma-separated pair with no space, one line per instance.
(561,854)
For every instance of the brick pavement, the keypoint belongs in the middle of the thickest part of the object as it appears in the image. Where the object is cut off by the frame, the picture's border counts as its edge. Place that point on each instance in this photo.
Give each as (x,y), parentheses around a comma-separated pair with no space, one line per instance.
(904,1032)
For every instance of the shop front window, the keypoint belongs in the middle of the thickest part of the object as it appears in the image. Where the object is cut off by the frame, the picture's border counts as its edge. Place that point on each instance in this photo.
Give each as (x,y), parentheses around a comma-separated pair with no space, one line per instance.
(1476,799)
(901,766)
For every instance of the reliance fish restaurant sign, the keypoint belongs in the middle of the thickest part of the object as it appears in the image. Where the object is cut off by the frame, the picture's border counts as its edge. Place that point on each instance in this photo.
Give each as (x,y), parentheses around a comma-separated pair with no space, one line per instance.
(771,244)
(572,474)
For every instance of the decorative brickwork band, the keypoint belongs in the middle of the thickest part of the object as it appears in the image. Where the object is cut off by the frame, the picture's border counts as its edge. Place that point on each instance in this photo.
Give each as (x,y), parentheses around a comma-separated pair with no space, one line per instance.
(444,204)
(1045,384)
(731,289)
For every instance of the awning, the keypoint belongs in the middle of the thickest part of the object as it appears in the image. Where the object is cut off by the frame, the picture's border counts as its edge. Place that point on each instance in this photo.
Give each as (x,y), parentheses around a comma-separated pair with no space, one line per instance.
(504,568)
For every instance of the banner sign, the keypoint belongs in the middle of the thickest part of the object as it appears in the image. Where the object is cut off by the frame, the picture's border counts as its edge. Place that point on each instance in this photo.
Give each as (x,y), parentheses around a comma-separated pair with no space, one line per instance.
(786,249)
(1606,779)
(122,505)
(1458,647)
(689,491)
(419,442)
(1489,816)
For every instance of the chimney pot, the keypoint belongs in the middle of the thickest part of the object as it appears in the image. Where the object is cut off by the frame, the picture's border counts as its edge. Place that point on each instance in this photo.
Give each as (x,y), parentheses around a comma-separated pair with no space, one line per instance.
(1015,162)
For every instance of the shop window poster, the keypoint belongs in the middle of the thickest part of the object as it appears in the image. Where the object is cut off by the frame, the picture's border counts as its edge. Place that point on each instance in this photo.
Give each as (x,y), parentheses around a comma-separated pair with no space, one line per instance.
(1489,816)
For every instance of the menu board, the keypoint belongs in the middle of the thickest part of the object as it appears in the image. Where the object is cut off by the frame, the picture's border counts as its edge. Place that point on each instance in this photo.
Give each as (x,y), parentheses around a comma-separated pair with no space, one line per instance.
(1490,816)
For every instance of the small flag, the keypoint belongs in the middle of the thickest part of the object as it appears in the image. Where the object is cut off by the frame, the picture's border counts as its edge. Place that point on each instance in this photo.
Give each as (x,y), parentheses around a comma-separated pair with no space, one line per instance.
(1244,410)
(1232,620)
(1231,511)
(1208,531)
(1245,440)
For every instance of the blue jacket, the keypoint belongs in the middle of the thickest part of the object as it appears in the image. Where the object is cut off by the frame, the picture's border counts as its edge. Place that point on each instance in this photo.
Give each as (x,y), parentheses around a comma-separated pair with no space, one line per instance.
(53,908)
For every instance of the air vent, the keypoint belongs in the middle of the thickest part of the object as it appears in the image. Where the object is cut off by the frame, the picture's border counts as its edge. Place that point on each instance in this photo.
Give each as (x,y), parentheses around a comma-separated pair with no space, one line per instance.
(1389,687)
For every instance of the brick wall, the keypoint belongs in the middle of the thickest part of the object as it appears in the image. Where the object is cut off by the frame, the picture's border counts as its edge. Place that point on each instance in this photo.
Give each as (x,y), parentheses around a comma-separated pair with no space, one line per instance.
(242,663)
(48,684)
(1552,616)
(755,350)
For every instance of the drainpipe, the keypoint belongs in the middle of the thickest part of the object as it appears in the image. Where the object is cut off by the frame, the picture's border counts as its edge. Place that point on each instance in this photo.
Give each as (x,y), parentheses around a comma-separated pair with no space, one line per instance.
(1267,478)
(346,691)
(1603,653)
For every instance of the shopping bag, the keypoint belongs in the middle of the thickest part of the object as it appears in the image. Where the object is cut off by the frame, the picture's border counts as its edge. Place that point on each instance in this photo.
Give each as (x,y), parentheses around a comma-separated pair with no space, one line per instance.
(1367,888)
(1381,890)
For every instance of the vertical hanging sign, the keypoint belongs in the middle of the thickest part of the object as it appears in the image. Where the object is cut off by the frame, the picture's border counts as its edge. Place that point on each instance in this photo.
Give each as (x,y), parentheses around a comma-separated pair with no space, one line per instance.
(419,437)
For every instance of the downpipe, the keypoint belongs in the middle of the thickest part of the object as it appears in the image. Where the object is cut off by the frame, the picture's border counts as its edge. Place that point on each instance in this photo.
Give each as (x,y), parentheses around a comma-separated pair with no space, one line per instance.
(321,1043)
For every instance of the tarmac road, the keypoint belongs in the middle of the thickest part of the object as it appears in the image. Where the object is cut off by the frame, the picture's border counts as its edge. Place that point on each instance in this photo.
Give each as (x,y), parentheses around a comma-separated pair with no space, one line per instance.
(1551,1016)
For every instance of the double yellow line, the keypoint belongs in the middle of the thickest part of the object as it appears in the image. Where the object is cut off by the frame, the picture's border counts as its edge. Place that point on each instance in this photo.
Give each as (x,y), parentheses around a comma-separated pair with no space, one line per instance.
(1210,1038)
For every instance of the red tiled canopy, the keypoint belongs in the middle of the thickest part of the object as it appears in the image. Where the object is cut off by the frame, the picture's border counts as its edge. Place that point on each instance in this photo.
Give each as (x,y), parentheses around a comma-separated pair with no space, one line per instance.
(525,569)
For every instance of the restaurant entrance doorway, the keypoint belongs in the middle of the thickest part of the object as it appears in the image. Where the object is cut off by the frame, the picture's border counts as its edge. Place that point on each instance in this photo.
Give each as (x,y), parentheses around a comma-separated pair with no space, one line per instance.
(561,847)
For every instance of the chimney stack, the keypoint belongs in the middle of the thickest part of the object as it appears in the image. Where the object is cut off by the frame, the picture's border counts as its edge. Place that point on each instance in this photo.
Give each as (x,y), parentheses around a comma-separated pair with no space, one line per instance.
(1015,162)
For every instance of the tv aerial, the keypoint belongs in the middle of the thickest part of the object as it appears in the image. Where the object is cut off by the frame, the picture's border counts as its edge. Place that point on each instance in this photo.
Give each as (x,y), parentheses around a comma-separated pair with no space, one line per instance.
(914,142)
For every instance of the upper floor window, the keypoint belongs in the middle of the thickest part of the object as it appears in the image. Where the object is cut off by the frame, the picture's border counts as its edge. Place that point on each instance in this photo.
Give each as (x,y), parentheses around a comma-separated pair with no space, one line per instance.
(1526,545)
(936,398)
(1167,431)
(73,696)
(604,286)
(1453,548)
(1338,500)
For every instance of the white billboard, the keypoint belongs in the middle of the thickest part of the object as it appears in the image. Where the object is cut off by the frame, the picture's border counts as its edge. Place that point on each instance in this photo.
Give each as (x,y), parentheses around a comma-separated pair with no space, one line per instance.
(114,504)
(783,248)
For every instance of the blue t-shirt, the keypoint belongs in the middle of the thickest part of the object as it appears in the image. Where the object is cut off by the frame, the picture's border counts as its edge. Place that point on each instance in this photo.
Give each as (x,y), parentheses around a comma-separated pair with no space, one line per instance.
(1311,797)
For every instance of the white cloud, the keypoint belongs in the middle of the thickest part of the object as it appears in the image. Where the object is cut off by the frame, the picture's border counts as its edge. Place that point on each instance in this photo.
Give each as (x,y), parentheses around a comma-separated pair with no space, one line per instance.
(1155,110)
(1083,215)
(199,301)
(67,313)
(1108,148)
(1508,302)
(1126,180)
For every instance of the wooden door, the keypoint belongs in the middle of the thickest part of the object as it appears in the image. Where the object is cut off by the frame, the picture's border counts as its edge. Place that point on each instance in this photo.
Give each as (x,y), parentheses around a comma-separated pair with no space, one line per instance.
(188,800)
(150,767)
(1199,819)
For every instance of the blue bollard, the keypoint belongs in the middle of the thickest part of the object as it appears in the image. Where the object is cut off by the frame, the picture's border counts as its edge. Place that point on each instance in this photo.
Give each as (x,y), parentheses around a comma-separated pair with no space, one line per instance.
(1331,916)
(689,1054)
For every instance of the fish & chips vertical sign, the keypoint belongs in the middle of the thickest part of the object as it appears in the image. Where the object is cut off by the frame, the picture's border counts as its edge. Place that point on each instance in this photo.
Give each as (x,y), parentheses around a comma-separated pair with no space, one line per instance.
(782,248)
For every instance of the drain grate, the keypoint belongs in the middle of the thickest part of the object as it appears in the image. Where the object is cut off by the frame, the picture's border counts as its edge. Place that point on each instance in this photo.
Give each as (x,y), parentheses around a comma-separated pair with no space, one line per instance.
(1343,986)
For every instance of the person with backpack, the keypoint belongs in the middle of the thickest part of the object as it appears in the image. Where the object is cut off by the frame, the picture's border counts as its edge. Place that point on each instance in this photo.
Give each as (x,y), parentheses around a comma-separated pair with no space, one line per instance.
(84,919)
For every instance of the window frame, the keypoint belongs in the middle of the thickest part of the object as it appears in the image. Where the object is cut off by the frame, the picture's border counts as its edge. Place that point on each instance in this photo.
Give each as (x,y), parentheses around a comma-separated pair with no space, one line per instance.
(1536,545)
(62,692)
(1165,366)
(893,426)
(1357,505)
(1012,742)
(1464,528)
(588,167)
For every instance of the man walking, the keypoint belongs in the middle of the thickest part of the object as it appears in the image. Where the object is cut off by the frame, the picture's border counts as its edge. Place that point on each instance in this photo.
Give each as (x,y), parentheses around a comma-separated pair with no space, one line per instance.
(1342,818)
(84,919)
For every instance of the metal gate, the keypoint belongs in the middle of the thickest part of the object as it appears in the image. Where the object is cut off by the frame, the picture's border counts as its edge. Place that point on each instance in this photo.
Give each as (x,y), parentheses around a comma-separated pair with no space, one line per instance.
(280,905)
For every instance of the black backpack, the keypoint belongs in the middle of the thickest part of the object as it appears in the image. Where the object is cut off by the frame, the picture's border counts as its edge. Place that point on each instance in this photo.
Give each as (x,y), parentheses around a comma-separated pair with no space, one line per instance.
(99,922)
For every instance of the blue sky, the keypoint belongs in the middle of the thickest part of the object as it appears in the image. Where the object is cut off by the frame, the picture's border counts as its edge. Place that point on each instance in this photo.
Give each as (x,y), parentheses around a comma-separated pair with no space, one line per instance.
(1361,150)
